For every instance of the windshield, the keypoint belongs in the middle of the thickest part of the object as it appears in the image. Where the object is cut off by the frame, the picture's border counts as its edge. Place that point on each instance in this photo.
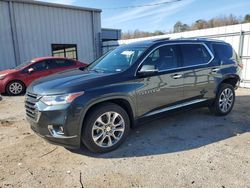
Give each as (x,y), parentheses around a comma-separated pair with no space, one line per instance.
(22,65)
(117,60)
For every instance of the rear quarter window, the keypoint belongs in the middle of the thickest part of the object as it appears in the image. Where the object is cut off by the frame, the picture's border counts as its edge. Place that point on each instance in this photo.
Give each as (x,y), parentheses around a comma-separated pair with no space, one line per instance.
(224,52)
(195,54)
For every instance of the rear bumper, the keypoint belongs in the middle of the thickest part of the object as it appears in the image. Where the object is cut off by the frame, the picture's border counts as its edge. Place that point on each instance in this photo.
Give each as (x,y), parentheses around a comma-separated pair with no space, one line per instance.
(237,85)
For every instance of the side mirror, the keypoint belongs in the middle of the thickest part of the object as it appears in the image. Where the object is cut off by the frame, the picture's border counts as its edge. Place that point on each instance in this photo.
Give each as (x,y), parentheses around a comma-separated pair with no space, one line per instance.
(147,70)
(30,70)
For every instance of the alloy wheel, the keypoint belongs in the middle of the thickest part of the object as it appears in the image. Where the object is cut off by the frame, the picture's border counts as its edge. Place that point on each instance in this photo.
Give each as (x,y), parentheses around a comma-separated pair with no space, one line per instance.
(226,100)
(15,88)
(108,129)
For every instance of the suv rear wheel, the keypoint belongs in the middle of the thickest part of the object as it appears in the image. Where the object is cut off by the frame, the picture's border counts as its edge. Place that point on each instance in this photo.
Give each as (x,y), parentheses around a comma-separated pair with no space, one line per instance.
(224,101)
(106,127)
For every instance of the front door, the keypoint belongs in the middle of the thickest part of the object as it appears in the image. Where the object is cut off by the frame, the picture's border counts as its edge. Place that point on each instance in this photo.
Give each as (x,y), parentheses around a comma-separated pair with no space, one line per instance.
(164,88)
(39,70)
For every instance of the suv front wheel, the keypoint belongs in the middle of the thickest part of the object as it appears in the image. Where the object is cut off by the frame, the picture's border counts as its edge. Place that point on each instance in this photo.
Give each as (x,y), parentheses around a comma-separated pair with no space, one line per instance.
(224,101)
(105,128)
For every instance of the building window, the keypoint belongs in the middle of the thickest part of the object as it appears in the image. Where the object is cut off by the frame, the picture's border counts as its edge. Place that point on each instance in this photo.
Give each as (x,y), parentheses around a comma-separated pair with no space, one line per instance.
(64,50)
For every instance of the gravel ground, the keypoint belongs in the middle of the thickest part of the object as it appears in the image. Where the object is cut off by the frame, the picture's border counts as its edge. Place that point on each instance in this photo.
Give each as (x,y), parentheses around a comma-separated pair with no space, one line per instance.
(191,149)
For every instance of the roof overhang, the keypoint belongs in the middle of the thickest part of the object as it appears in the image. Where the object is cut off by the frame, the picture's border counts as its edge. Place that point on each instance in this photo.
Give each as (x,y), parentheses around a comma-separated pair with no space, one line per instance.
(55,5)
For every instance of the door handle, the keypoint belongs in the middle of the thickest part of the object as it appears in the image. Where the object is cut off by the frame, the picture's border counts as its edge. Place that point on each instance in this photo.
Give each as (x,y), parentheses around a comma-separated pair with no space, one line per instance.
(215,70)
(177,76)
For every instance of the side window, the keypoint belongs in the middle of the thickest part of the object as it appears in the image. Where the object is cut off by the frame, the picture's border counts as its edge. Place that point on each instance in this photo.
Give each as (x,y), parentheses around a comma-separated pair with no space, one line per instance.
(64,50)
(224,52)
(194,54)
(52,64)
(40,66)
(57,63)
(164,58)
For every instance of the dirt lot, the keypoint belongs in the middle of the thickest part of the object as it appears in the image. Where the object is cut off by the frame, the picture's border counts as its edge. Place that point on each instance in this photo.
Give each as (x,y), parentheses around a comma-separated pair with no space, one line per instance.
(191,149)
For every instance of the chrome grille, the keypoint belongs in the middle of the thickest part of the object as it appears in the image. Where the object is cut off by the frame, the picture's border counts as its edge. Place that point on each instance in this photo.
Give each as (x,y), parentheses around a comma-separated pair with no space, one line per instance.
(30,106)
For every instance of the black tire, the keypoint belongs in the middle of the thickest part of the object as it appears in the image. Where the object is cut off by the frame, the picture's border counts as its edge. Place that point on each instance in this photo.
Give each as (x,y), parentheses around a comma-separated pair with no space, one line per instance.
(20,90)
(216,107)
(88,131)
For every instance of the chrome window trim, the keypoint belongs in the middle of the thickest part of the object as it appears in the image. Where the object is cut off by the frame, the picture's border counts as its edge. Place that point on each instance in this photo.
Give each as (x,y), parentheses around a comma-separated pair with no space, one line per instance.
(201,43)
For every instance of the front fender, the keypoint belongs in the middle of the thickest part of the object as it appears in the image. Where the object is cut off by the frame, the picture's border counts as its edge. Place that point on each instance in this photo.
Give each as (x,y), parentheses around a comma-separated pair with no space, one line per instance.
(104,98)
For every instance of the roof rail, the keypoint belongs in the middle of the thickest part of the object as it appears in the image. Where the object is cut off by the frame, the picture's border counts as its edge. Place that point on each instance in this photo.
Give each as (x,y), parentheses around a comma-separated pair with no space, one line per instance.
(199,39)
(161,39)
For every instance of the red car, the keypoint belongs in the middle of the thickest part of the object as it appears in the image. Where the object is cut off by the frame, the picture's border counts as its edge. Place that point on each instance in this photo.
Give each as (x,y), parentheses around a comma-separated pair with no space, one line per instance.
(15,81)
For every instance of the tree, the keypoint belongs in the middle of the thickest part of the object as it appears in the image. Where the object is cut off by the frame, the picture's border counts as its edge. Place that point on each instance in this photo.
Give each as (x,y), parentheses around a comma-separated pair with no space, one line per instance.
(200,24)
(138,34)
(247,18)
(223,21)
(180,27)
(231,20)
(158,32)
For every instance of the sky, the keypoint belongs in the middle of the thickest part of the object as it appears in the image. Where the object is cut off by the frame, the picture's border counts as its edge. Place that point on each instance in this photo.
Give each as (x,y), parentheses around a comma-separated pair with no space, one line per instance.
(159,17)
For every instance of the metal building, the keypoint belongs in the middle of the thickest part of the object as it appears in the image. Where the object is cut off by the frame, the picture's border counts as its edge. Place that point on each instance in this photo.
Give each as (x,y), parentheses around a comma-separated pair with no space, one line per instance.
(30,29)
(109,34)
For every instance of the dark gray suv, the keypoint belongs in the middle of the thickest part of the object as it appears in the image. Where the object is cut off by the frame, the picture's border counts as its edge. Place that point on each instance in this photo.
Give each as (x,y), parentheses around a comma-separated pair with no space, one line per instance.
(97,105)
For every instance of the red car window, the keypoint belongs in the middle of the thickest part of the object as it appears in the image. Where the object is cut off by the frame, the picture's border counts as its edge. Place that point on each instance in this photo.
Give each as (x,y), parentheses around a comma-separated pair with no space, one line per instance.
(39,66)
(52,64)
(64,63)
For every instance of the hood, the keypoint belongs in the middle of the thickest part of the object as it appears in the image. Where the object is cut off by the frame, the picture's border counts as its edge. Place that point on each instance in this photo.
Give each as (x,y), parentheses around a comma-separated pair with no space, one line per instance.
(9,71)
(66,82)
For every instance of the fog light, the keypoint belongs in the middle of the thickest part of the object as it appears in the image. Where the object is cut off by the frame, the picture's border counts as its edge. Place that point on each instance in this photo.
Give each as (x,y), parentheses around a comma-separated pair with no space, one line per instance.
(56,130)
(61,128)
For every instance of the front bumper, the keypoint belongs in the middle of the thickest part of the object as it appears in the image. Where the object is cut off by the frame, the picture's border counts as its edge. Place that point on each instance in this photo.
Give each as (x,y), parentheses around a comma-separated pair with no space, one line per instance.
(65,141)
(2,87)
(48,118)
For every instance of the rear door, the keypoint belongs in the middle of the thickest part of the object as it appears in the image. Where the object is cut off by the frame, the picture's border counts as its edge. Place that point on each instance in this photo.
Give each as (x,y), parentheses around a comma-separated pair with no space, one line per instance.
(164,88)
(58,65)
(199,71)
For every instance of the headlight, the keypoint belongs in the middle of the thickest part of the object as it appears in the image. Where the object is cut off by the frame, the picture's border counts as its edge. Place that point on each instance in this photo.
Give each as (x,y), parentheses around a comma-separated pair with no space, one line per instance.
(51,100)
(2,76)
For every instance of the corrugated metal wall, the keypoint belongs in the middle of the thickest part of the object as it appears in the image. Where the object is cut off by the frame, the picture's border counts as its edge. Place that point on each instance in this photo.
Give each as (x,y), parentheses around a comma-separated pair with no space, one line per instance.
(38,26)
(237,35)
(111,34)
(7,59)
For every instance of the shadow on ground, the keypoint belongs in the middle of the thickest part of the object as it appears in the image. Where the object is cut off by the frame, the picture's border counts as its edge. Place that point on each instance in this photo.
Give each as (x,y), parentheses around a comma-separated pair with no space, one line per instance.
(13,96)
(182,131)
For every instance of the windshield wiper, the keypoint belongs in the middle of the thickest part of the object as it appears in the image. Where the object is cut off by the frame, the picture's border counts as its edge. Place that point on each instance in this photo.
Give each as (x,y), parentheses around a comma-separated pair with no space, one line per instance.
(97,70)
(82,68)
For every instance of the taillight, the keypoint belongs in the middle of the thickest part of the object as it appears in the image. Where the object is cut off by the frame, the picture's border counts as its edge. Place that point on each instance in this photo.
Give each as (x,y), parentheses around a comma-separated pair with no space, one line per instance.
(240,65)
